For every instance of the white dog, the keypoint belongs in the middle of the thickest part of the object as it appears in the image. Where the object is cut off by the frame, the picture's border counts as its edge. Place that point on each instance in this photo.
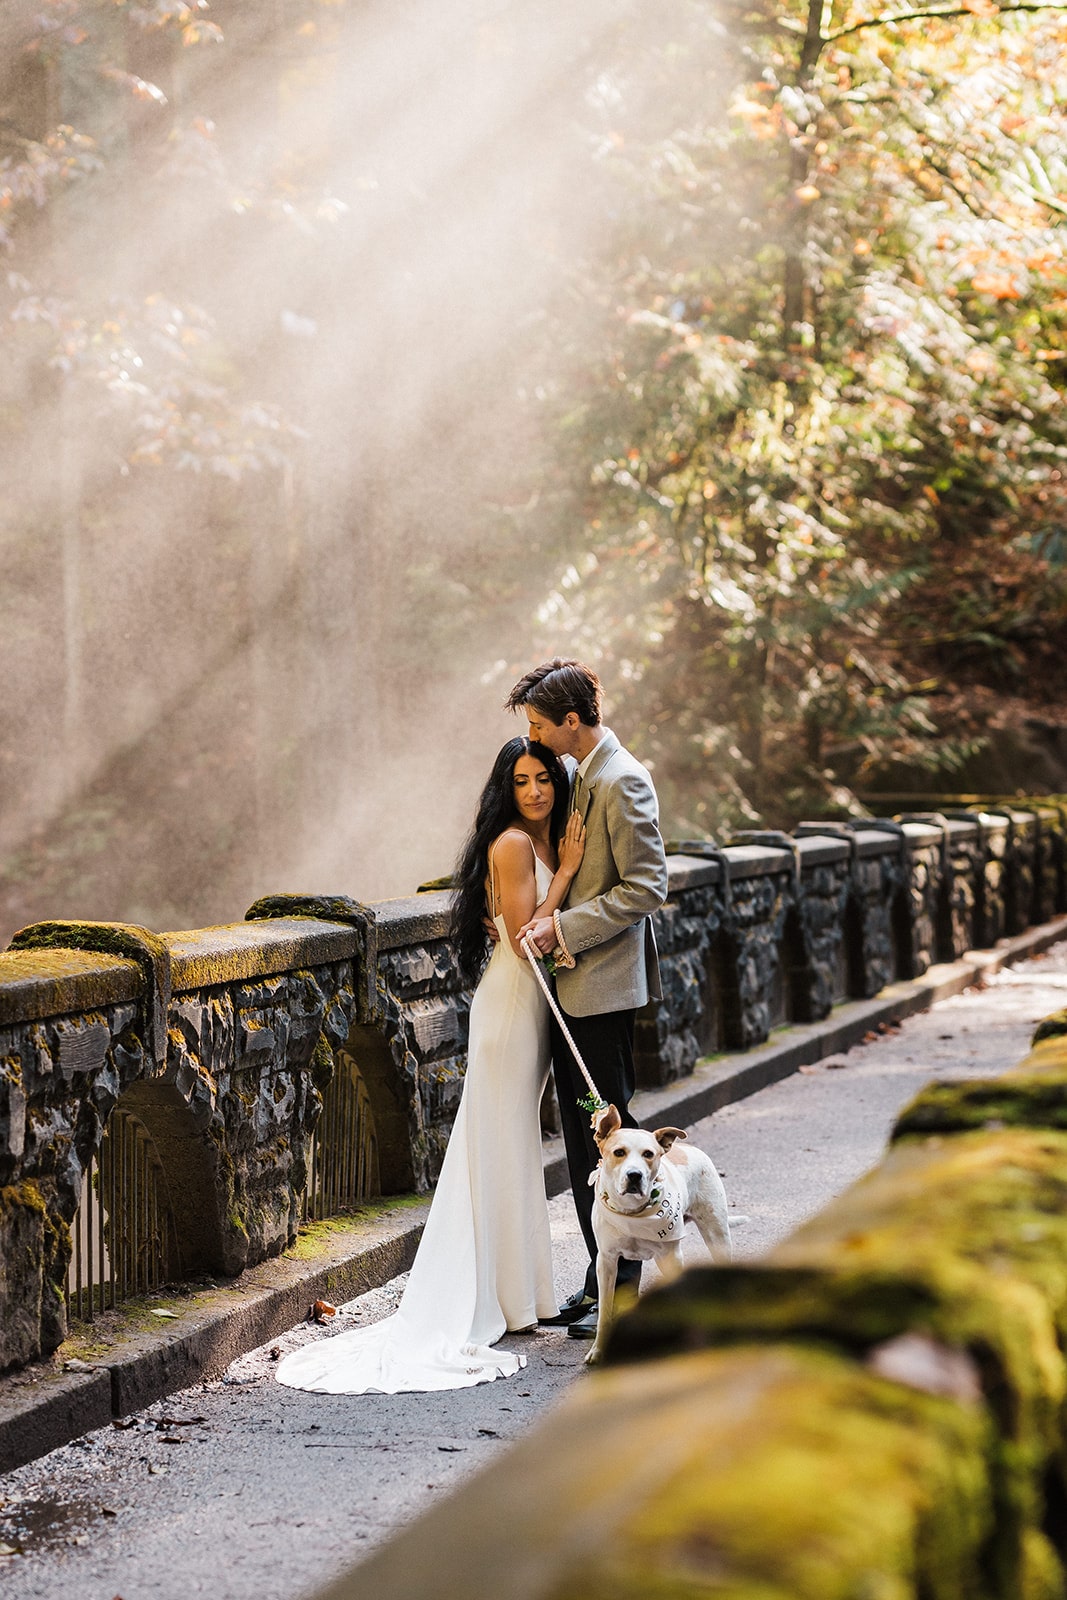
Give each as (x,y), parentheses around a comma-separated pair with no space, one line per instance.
(646,1192)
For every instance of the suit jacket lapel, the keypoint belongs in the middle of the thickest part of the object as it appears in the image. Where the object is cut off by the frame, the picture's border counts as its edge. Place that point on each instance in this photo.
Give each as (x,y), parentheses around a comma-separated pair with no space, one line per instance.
(601,755)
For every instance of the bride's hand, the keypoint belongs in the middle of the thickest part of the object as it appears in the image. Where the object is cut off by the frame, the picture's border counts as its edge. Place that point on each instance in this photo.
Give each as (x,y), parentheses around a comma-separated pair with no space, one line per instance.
(572,845)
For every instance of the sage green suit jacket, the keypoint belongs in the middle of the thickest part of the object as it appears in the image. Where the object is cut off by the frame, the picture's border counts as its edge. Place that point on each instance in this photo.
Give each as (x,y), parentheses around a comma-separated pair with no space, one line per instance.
(607,920)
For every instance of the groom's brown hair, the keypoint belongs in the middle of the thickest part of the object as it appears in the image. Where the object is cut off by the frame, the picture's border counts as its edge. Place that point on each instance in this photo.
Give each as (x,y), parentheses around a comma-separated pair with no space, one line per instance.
(557,687)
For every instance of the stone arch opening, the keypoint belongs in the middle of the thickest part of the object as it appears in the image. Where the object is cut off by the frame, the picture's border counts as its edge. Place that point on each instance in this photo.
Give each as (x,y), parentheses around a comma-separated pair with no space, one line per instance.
(903,935)
(725,1000)
(343,1167)
(852,949)
(796,984)
(389,1102)
(147,1215)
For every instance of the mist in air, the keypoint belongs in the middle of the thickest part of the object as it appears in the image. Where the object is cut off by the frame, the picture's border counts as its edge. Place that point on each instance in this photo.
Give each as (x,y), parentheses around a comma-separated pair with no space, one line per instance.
(271,349)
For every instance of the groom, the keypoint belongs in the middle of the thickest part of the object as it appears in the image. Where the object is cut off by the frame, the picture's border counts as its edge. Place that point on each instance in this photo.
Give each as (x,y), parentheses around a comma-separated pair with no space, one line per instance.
(603,943)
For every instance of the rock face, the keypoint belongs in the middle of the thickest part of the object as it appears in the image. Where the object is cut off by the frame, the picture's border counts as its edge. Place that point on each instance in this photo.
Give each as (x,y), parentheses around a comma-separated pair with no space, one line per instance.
(223,1041)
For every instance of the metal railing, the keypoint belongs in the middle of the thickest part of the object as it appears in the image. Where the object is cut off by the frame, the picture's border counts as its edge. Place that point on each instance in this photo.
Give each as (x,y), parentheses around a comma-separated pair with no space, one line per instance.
(124,1239)
(343,1157)
(123,1235)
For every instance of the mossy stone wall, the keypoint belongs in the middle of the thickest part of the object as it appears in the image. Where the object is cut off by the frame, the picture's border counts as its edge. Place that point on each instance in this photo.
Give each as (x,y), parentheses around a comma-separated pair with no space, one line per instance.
(221,1040)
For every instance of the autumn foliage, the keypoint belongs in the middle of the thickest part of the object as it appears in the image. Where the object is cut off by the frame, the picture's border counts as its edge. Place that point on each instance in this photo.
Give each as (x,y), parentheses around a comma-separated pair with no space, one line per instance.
(763,412)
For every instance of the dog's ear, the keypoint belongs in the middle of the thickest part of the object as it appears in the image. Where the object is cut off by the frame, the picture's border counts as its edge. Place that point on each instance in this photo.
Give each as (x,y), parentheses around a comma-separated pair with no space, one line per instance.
(608,1122)
(665,1137)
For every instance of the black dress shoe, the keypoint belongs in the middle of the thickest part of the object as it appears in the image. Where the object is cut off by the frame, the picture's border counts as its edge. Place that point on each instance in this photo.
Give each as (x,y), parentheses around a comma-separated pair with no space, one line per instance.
(585,1327)
(571,1309)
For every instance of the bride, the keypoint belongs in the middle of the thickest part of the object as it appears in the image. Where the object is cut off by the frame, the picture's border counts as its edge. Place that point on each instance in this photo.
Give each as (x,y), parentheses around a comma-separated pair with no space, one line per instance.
(484,1264)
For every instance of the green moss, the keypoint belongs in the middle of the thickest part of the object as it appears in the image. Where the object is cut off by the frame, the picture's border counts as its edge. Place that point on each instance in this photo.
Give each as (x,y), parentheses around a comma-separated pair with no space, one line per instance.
(1038,1100)
(1052,1027)
(1042,1576)
(123,939)
(846,1473)
(747,1474)
(88,1340)
(961,1238)
(109,938)
(315,1237)
(322,1064)
(25,1196)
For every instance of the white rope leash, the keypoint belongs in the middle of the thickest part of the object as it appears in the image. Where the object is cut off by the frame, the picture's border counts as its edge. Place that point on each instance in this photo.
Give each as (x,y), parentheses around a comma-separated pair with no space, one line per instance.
(534,957)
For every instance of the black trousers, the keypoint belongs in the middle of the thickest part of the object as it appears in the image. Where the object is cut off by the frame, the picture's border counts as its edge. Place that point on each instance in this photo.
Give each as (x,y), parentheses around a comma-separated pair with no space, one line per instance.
(606,1042)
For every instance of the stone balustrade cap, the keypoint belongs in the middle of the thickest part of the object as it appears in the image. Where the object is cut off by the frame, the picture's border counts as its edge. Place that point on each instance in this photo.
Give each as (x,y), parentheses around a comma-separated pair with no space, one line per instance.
(875,842)
(691,872)
(1024,817)
(922,833)
(233,952)
(757,860)
(820,849)
(38,983)
(412,919)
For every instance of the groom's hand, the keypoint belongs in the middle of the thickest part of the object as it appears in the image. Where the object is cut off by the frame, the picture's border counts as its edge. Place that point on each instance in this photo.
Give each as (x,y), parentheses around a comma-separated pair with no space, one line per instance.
(543,933)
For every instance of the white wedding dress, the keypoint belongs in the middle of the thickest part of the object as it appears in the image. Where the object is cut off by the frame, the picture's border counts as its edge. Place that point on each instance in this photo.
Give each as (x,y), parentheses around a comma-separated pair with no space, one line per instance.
(484,1263)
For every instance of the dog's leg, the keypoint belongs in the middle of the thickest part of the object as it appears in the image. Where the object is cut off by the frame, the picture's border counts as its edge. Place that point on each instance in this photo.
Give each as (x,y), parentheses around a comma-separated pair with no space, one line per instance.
(713,1224)
(606,1267)
(670,1263)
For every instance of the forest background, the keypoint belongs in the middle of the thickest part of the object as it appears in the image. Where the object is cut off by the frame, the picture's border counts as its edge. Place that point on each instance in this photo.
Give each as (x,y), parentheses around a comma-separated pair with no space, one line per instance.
(355,356)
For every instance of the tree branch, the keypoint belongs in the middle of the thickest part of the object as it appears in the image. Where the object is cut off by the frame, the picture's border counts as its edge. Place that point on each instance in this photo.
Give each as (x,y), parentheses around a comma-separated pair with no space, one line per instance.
(921,16)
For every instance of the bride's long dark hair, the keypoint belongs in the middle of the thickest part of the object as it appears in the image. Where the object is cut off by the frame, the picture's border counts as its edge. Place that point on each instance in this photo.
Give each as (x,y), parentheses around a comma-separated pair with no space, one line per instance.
(496,811)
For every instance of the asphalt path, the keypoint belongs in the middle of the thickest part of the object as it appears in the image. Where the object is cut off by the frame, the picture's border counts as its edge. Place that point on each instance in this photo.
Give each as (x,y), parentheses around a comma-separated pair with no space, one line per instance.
(241,1488)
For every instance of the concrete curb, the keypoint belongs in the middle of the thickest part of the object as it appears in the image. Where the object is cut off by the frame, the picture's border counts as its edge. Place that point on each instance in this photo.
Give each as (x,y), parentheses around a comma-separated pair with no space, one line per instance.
(41,1408)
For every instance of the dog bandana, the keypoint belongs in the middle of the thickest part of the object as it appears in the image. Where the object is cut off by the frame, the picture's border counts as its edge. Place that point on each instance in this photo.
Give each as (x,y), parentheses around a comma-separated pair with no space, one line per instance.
(663,1217)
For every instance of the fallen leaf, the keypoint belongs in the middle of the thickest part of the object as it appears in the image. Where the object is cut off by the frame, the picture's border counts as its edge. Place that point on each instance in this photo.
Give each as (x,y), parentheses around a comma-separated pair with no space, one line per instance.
(488,1433)
(158,1311)
(275,1354)
(924,1363)
(321,1311)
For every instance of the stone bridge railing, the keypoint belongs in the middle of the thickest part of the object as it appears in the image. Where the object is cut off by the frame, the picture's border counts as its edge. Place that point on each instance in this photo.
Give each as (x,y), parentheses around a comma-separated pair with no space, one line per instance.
(222,1044)
(874,1408)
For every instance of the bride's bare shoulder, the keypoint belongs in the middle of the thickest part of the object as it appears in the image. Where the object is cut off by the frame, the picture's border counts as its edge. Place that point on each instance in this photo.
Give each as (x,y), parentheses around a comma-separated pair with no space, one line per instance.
(512,848)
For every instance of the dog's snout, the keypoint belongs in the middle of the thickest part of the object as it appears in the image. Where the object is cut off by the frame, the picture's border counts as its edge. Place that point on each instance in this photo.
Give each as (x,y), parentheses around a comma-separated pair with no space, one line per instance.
(634,1182)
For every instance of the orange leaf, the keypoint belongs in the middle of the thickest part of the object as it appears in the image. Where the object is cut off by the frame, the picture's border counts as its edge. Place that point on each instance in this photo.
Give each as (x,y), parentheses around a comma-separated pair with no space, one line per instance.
(998,284)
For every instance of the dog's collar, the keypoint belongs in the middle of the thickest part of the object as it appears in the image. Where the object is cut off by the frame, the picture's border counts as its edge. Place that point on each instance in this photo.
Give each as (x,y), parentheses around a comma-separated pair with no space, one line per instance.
(653,1200)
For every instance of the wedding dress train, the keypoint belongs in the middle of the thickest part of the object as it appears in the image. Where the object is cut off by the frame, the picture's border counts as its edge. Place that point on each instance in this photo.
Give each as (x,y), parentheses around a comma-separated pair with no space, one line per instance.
(484,1264)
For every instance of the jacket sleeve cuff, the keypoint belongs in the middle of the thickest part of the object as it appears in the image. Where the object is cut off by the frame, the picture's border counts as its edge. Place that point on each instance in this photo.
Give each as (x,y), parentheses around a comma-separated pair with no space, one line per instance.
(563,956)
